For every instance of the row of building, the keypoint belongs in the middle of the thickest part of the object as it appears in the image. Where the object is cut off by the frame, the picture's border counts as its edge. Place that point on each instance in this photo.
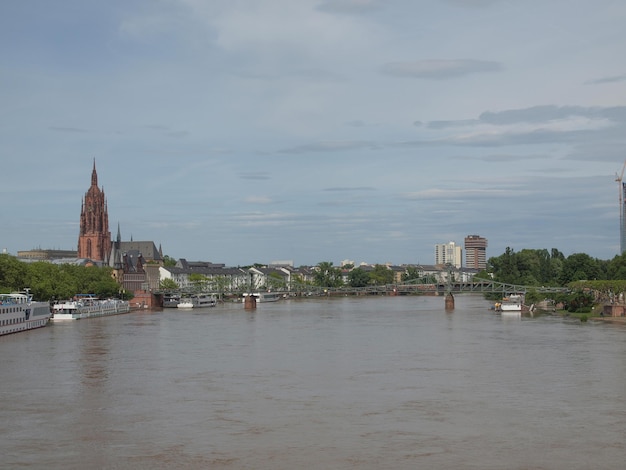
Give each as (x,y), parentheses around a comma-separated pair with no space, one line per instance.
(139,265)
(475,253)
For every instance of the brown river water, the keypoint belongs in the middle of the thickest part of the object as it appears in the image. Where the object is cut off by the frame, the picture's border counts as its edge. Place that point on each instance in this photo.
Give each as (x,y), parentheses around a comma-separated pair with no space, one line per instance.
(344,383)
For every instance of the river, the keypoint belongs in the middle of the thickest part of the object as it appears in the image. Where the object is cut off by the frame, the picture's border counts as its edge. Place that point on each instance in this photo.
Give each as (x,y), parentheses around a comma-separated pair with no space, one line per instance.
(340,383)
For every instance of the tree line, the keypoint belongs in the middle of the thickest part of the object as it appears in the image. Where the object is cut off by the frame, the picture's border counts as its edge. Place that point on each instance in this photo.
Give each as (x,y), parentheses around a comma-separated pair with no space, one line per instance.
(591,280)
(528,267)
(48,281)
(551,268)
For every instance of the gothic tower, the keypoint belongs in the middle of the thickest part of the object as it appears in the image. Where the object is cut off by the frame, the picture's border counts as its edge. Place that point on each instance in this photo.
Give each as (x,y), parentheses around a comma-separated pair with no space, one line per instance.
(94,240)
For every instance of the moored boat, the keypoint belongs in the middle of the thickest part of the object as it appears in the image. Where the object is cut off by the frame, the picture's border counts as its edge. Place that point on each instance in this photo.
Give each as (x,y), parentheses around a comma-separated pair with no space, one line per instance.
(185,302)
(19,312)
(197,301)
(204,300)
(171,300)
(265,296)
(88,306)
(511,304)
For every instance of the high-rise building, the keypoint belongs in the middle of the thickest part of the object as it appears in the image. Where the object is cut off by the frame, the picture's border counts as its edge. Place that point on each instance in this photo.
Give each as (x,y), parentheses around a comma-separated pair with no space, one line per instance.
(475,252)
(94,240)
(449,253)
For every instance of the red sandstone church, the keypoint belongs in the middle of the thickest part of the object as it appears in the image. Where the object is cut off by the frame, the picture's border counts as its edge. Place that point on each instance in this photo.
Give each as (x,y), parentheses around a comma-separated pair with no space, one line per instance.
(135,264)
(94,240)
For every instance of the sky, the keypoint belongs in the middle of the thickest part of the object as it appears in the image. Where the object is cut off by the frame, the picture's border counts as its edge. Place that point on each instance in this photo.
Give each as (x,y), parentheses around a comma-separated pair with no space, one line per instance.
(252,131)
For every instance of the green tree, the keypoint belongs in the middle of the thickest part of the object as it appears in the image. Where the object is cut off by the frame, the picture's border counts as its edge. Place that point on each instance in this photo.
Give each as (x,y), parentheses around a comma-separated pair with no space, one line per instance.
(579,302)
(381,275)
(168,284)
(43,279)
(168,261)
(504,267)
(412,273)
(616,268)
(579,266)
(220,284)
(276,281)
(12,273)
(198,281)
(326,275)
(358,277)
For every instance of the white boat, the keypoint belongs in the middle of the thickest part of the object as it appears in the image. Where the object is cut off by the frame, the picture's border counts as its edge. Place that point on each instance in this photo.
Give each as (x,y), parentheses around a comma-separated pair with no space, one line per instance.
(19,312)
(185,303)
(512,303)
(265,296)
(88,306)
(198,301)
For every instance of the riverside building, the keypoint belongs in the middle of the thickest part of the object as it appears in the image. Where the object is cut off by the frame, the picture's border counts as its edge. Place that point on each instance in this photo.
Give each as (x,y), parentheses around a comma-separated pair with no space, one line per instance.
(449,253)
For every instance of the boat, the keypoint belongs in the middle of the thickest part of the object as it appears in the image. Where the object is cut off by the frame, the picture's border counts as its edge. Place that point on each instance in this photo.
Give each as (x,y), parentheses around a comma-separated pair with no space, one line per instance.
(185,302)
(19,312)
(265,296)
(513,304)
(204,300)
(171,300)
(197,301)
(88,306)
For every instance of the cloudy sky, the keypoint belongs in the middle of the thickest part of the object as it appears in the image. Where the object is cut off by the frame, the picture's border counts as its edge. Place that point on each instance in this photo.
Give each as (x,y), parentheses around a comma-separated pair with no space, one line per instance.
(242,131)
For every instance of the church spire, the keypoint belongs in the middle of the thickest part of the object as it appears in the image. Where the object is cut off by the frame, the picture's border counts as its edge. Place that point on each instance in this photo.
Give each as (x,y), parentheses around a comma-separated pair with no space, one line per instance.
(94,175)
(94,239)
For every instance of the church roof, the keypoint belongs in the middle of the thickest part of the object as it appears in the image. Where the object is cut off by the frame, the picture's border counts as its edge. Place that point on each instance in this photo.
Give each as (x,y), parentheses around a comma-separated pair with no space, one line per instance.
(147,249)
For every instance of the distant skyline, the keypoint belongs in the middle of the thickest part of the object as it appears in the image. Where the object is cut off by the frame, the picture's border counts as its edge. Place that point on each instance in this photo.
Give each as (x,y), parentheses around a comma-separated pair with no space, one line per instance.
(319,130)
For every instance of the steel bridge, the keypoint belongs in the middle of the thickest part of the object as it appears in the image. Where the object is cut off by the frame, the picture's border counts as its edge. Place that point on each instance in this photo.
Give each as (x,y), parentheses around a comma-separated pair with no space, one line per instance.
(417,287)
(412,287)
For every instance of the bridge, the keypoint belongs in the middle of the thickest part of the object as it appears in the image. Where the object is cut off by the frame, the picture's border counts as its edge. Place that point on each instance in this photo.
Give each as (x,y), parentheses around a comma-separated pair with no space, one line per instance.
(417,287)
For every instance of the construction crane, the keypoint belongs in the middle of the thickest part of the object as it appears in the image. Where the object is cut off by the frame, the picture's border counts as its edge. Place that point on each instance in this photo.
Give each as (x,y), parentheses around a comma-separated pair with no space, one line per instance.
(622,229)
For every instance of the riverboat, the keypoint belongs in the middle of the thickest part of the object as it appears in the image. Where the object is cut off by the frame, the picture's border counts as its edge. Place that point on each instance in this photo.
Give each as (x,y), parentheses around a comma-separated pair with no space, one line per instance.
(204,300)
(197,301)
(19,312)
(265,296)
(171,300)
(88,306)
(513,304)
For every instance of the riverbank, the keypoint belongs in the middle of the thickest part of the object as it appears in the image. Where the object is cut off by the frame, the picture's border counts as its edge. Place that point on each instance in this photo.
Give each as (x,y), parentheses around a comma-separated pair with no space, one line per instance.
(598,312)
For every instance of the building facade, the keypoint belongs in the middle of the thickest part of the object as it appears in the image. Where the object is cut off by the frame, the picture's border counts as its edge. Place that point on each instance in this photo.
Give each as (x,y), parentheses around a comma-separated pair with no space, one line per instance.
(94,240)
(475,252)
(45,255)
(449,253)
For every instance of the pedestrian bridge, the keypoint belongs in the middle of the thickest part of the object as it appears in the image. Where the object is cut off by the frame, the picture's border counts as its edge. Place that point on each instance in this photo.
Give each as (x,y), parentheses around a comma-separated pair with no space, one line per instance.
(417,287)
(411,287)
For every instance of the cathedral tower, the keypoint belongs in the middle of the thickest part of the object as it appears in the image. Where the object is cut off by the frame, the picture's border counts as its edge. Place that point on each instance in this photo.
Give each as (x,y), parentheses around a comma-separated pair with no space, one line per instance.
(94,240)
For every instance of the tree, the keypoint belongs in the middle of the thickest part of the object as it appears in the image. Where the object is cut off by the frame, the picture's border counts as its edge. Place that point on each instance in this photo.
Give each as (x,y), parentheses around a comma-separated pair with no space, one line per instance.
(220,284)
(12,273)
(412,273)
(381,275)
(504,267)
(358,277)
(579,266)
(198,280)
(168,284)
(616,268)
(326,275)
(275,281)
(168,261)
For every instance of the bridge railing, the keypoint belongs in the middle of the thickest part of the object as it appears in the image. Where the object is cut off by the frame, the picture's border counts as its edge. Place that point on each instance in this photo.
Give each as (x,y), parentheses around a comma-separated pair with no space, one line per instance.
(416,287)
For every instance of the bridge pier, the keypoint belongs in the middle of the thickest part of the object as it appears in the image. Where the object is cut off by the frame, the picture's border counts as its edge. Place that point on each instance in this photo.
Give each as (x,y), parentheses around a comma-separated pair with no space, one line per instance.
(449,301)
(249,302)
